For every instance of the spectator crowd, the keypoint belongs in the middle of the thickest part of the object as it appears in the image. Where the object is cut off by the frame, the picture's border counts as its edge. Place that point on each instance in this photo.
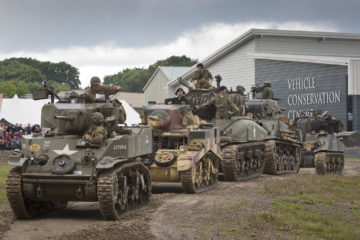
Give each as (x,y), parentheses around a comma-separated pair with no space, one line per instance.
(11,135)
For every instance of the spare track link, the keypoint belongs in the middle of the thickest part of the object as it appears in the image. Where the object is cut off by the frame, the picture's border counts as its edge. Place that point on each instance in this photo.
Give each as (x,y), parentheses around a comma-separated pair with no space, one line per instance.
(25,208)
(277,164)
(133,193)
(238,163)
(189,177)
(329,162)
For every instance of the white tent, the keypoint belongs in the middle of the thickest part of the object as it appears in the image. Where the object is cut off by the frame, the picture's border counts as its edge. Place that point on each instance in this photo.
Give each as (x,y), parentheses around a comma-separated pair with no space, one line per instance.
(24,111)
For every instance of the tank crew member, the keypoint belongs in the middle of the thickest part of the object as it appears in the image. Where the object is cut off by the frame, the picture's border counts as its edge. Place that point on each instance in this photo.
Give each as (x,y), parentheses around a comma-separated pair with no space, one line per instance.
(180,98)
(202,83)
(201,71)
(97,88)
(222,103)
(268,92)
(241,90)
(97,133)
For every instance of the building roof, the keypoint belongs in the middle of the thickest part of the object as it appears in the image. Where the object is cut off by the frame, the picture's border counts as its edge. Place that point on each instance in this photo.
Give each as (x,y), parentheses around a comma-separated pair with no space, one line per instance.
(171,72)
(132,98)
(252,33)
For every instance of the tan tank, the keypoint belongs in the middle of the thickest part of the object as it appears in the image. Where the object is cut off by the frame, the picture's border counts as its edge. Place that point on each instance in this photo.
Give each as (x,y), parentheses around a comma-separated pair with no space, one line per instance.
(183,149)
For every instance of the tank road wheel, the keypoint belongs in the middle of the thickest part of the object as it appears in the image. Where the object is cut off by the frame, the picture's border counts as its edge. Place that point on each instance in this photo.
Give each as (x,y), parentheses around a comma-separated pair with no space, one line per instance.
(203,174)
(122,188)
(243,162)
(329,163)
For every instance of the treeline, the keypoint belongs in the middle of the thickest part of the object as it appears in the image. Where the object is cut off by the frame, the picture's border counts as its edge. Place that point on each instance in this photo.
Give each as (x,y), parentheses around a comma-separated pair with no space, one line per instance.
(22,75)
(134,80)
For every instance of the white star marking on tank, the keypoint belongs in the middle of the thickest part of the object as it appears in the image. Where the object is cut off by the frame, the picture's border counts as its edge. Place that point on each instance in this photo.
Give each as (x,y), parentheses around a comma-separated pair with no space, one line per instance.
(66,150)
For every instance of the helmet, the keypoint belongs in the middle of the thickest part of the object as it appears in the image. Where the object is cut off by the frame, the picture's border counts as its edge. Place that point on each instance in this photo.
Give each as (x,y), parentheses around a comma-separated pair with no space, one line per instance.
(97,118)
(94,80)
(240,89)
(179,89)
(267,84)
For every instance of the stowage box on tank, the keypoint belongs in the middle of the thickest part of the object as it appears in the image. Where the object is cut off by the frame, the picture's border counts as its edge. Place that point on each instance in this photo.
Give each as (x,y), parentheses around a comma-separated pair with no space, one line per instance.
(57,165)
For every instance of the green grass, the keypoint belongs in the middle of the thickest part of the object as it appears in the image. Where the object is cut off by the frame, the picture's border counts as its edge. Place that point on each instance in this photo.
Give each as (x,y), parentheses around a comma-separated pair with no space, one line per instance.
(352,159)
(326,207)
(3,174)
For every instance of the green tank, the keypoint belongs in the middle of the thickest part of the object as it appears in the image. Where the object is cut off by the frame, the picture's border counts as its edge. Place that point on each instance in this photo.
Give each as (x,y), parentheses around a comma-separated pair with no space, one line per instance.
(241,138)
(184,150)
(57,165)
(322,145)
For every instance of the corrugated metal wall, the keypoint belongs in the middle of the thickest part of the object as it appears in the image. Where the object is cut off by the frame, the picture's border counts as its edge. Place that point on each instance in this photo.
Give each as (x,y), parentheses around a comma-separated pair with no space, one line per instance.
(156,90)
(306,86)
(308,46)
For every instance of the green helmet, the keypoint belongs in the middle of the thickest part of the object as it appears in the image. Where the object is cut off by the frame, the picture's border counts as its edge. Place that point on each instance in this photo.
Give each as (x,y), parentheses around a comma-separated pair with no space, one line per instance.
(94,80)
(97,118)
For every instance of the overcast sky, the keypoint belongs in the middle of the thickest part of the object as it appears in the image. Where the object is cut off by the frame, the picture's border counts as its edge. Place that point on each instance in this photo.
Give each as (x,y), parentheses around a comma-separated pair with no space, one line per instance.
(103,37)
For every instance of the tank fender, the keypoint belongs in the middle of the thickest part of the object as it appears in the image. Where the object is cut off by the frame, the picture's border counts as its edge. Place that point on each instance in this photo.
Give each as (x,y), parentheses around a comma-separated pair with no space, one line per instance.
(109,162)
(16,161)
(186,160)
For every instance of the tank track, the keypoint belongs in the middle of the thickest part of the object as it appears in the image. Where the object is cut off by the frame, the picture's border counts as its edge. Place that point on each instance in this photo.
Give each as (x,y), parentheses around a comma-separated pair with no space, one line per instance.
(202,175)
(307,159)
(123,188)
(21,207)
(329,162)
(243,161)
(282,157)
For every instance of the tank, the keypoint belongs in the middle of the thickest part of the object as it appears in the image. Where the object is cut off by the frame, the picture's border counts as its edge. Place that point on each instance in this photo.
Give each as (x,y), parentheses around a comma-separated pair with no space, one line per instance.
(283,146)
(323,147)
(242,139)
(258,138)
(185,150)
(57,165)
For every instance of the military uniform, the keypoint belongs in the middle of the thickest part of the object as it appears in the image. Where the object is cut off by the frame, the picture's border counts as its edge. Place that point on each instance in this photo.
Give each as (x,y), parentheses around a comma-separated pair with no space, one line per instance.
(206,74)
(97,134)
(268,93)
(203,85)
(182,101)
(106,90)
(222,105)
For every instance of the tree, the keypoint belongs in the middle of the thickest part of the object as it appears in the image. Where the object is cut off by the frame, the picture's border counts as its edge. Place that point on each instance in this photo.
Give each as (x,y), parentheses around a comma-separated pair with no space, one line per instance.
(8,88)
(134,80)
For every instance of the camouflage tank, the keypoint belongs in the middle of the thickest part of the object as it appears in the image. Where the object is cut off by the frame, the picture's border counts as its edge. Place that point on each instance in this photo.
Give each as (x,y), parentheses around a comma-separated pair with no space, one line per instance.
(57,165)
(184,150)
(322,149)
(241,138)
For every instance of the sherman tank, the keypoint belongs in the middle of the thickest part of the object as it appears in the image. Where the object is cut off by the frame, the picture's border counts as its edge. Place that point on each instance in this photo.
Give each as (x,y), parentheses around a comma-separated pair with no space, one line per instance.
(242,139)
(322,149)
(57,165)
(259,137)
(184,150)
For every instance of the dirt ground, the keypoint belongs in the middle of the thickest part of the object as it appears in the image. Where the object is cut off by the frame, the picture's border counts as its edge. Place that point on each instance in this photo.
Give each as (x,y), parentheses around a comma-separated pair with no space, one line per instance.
(171,214)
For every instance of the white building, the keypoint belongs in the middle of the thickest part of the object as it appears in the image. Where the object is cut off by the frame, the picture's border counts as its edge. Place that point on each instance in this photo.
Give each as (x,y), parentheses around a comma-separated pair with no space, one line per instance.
(156,88)
(331,61)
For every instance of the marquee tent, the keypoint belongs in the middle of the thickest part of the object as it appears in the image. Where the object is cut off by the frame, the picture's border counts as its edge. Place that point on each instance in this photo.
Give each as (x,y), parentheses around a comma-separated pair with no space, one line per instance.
(24,111)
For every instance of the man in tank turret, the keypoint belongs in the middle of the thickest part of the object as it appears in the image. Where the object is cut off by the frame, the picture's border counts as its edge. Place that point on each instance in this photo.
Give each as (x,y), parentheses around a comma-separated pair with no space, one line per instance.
(97,88)
(268,92)
(97,133)
(179,99)
(222,103)
(201,71)
(202,83)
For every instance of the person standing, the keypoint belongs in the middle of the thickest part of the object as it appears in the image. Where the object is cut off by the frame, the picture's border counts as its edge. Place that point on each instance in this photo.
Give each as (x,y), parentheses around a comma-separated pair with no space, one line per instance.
(97,88)
(268,92)
(222,103)
(201,71)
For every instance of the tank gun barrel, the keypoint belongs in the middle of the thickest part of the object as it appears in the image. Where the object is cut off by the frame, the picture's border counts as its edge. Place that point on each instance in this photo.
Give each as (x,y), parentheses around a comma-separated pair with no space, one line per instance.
(65,118)
(183,82)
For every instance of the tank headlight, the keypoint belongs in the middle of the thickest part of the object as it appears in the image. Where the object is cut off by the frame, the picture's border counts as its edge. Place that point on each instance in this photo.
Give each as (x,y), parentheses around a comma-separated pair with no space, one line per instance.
(42,159)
